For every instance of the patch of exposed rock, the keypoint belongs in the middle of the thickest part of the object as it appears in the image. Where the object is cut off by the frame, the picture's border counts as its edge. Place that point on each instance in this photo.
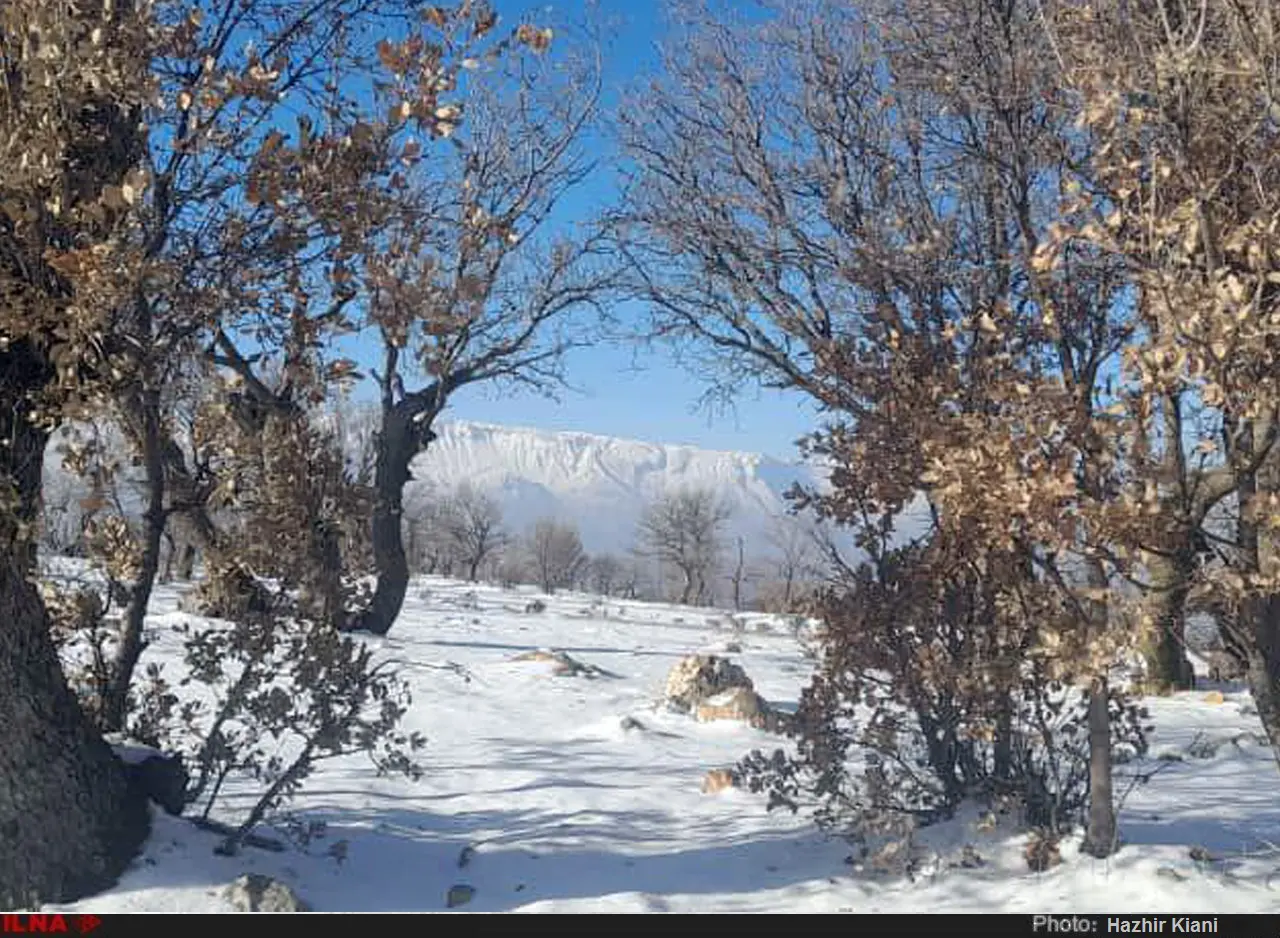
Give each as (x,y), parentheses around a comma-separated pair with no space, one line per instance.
(718,780)
(714,688)
(459,894)
(736,703)
(697,677)
(254,892)
(563,665)
(745,706)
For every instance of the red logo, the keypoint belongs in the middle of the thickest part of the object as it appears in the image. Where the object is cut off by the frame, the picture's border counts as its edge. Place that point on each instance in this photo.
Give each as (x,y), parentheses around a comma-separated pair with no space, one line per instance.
(87,923)
(33,923)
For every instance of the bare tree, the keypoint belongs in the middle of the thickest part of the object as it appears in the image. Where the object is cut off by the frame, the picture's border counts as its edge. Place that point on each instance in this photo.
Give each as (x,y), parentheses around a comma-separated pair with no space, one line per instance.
(683,530)
(472,287)
(606,574)
(432,548)
(741,574)
(237,244)
(555,549)
(513,567)
(356,428)
(794,554)
(473,522)
(61,513)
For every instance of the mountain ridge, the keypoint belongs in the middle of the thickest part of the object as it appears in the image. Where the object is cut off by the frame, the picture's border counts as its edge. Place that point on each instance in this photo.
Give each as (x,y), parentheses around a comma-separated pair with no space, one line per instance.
(601,483)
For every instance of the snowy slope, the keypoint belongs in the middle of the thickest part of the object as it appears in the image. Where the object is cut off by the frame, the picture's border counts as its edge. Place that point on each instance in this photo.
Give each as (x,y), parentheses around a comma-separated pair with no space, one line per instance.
(601,483)
(541,799)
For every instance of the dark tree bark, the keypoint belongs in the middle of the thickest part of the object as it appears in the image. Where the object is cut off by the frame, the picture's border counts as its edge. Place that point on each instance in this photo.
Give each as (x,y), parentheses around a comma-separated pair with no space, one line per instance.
(115,703)
(738,575)
(70,822)
(686,591)
(186,562)
(405,432)
(1256,628)
(1101,837)
(1167,665)
(1263,672)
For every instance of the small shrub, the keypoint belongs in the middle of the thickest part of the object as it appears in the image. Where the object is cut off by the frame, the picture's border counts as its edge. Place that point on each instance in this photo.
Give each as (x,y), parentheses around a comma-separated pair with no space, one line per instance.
(289,693)
(86,640)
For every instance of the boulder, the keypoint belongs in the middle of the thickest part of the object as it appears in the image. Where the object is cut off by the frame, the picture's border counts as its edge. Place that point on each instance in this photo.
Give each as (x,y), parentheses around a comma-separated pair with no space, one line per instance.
(717,780)
(698,677)
(745,706)
(459,894)
(254,892)
(737,703)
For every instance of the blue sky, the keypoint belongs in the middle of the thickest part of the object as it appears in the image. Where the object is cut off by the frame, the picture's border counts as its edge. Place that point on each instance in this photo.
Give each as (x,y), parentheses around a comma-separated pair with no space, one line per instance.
(622,392)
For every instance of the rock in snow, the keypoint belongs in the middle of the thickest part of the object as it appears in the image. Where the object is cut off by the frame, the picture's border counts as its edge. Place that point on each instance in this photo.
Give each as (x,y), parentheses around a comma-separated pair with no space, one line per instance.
(698,677)
(254,892)
(717,780)
(737,703)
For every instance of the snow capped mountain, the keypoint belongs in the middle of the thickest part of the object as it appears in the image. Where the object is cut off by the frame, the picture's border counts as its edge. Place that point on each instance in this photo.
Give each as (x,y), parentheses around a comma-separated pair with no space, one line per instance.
(600,483)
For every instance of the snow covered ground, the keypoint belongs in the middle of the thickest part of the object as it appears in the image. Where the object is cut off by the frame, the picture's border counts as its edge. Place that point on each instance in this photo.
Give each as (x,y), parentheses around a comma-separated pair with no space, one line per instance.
(539,799)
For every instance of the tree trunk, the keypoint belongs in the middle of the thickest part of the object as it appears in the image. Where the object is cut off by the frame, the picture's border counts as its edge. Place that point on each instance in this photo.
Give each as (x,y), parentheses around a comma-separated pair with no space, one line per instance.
(737,577)
(1167,667)
(70,821)
(400,439)
(170,555)
(1263,672)
(115,703)
(413,551)
(187,562)
(1101,836)
(1257,627)
(1002,749)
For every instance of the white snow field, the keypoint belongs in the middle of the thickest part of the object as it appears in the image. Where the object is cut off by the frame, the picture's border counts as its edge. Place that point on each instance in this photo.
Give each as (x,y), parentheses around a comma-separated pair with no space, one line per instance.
(538,798)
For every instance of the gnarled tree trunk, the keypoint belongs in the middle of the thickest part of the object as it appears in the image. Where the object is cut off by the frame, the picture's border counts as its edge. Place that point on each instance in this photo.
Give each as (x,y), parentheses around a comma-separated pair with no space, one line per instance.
(1167,665)
(402,436)
(69,820)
